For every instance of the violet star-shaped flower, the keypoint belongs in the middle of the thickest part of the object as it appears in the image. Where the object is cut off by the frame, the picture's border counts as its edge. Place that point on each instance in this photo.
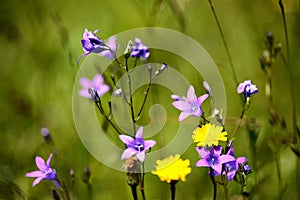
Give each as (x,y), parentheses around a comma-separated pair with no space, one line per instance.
(136,146)
(93,89)
(45,172)
(139,50)
(91,43)
(190,105)
(213,158)
(247,88)
(232,167)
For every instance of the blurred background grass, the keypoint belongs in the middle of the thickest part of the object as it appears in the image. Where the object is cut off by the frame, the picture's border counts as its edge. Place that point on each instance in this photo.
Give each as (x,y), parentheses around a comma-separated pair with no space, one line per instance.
(40,44)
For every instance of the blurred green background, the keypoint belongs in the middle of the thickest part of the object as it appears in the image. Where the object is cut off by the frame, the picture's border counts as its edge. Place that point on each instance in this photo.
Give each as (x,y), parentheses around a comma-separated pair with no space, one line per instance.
(39,47)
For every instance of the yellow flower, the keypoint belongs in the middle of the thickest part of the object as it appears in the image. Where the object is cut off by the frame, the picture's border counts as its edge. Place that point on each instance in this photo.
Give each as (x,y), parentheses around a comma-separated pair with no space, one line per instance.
(172,168)
(209,134)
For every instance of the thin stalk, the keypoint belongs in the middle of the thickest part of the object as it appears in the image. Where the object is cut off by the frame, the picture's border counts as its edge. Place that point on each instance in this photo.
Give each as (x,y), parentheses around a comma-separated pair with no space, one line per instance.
(142,186)
(224,42)
(130,97)
(294,114)
(225,187)
(133,191)
(212,178)
(246,107)
(144,101)
(99,106)
(173,189)
(65,190)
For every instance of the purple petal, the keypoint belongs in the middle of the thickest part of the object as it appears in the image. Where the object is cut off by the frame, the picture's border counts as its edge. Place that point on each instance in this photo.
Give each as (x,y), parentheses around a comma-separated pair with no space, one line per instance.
(182,105)
(85,83)
(86,34)
(139,133)
(36,181)
(240,88)
(217,150)
(34,174)
(202,163)
(103,89)
(217,168)
(141,156)
(226,158)
(148,144)
(230,175)
(202,98)
(126,139)
(191,96)
(183,116)
(40,163)
(241,160)
(97,80)
(56,183)
(49,160)
(202,152)
(87,45)
(128,153)
(84,93)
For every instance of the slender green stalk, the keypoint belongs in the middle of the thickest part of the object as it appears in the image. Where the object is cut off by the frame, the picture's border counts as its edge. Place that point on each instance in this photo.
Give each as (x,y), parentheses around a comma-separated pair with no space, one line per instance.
(212,178)
(173,189)
(224,42)
(294,114)
(133,191)
(225,187)
(246,107)
(142,186)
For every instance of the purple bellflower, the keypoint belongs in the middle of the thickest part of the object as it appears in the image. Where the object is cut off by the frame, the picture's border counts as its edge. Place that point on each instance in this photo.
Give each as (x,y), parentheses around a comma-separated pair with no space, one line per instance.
(45,172)
(111,44)
(232,167)
(136,146)
(91,43)
(213,158)
(93,89)
(190,105)
(247,88)
(139,50)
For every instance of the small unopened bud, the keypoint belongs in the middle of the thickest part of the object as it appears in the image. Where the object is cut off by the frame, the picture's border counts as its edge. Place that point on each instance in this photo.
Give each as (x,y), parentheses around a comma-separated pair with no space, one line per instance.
(163,67)
(278,47)
(207,87)
(247,169)
(46,134)
(270,38)
(86,175)
(113,79)
(176,98)
(267,57)
(72,173)
(94,94)
(128,49)
(118,92)
(150,68)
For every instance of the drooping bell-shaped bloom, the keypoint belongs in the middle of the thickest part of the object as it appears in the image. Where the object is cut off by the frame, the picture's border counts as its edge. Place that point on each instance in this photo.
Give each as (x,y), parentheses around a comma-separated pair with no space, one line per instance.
(93,89)
(189,105)
(139,50)
(45,172)
(247,88)
(136,146)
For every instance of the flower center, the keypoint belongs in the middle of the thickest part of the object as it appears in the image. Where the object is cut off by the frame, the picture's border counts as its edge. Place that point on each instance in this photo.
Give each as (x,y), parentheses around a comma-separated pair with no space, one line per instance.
(139,147)
(194,108)
(50,174)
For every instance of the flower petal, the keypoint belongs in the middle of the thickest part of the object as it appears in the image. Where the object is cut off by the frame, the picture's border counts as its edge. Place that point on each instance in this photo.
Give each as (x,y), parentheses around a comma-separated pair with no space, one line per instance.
(49,160)
(217,168)
(87,45)
(226,158)
(202,163)
(34,174)
(139,133)
(202,152)
(128,153)
(85,82)
(183,116)
(191,96)
(141,156)
(240,88)
(148,144)
(182,105)
(202,98)
(97,80)
(36,181)
(126,139)
(40,163)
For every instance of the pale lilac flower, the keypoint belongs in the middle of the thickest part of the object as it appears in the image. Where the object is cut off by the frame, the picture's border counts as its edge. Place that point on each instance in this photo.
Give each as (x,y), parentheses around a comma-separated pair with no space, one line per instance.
(46,134)
(136,146)
(211,157)
(139,50)
(111,44)
(190,105)
(247,88)
(45,172)
(93,89)
(91,43)
(232,167)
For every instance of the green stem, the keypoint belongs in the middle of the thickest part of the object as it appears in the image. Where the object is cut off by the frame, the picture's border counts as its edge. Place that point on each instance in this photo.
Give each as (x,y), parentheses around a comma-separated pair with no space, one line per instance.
(212,178)
(225,187)
(144,101)
(224,42)
(133,191)
(142,187)
(173,189)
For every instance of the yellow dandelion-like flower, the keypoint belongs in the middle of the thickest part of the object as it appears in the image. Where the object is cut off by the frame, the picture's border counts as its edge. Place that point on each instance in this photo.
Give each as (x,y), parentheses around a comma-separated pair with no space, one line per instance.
(172,168)
(208,135)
